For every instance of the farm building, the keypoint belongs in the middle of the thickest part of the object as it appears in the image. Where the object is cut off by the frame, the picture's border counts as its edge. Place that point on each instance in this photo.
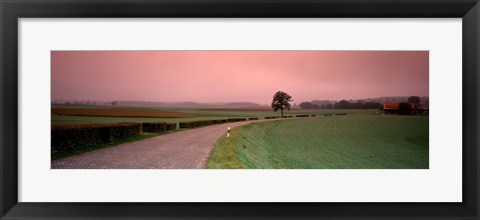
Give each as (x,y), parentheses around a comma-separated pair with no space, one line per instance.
(394,107)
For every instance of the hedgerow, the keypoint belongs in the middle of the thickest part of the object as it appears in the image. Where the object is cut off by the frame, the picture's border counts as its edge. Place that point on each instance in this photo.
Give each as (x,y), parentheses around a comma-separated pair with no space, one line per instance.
(70,137)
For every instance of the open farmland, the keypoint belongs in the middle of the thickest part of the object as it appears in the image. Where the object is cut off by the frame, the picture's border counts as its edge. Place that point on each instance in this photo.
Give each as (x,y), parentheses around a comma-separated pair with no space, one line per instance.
(120,112)
(350,141)
(193,114)
(248,112)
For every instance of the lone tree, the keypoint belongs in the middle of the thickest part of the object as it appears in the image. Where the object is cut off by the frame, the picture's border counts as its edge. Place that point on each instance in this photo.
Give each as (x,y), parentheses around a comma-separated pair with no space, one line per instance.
(281,101)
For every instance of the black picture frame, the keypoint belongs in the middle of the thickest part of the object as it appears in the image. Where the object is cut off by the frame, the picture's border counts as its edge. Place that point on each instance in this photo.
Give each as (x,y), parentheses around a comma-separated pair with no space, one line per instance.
(12,10)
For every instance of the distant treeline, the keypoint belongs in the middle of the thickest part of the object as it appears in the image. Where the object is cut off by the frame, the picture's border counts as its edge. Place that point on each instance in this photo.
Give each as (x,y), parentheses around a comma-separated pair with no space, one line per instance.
(157,104)
(343,104)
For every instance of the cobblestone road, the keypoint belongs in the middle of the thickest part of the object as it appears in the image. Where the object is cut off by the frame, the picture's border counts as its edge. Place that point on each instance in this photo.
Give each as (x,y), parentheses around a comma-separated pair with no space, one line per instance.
(181,150)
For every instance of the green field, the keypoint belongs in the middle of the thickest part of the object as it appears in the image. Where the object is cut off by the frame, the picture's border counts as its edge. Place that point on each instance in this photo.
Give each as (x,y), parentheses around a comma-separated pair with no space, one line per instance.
(355,141)
(203,114)
(361,139)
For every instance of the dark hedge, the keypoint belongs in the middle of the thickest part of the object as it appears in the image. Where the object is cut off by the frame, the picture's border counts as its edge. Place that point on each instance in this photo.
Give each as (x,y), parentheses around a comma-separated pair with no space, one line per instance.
(171,126)
(194,124)
(67,138)
(154,127)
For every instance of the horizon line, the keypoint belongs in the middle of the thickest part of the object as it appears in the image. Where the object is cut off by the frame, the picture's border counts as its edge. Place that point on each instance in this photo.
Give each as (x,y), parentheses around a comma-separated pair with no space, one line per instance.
(220,102)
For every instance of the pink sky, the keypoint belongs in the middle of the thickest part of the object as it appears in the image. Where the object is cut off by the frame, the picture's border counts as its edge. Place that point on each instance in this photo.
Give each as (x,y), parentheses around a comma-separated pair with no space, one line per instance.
(236,76)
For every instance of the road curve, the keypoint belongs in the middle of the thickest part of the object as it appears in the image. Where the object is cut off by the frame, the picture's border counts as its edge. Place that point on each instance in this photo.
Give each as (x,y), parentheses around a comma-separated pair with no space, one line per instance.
(188,149)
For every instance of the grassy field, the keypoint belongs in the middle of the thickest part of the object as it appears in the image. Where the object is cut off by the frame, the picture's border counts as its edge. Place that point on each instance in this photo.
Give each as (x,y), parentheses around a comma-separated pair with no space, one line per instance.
(120,112)
(360,139)
(356,141)
(62,115)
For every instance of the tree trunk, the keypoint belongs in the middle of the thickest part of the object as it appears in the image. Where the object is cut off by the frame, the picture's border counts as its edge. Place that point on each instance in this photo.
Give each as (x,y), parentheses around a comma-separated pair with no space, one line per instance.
(282,112)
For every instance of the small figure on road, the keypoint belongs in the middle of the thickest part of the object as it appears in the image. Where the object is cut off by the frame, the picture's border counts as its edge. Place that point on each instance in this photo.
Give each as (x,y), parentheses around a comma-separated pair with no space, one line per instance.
(228,132)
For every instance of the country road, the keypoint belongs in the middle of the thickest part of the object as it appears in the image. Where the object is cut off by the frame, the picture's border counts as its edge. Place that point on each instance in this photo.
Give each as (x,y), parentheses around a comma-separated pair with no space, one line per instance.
(188,149)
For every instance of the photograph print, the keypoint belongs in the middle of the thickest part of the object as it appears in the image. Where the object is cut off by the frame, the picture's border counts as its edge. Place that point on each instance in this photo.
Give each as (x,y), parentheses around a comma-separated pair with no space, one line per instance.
(282,109)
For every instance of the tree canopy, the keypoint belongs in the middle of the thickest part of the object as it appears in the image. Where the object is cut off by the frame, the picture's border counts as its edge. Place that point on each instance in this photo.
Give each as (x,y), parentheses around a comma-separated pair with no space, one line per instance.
(415,100)
(281,101)
(343,104)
